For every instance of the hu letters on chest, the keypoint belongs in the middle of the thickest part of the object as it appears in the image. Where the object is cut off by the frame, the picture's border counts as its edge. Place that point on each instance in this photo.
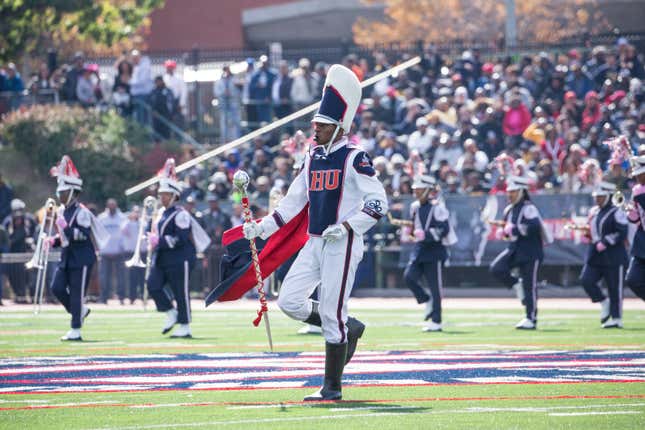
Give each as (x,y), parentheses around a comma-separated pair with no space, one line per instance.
(324,180)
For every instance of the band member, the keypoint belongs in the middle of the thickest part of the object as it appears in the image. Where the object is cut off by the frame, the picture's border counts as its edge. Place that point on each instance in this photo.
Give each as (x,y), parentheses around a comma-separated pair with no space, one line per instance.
(635,278)
(345,200)
(525,232)
(175,238)
(21,228)
(431,232)
(78,232)
(606,257)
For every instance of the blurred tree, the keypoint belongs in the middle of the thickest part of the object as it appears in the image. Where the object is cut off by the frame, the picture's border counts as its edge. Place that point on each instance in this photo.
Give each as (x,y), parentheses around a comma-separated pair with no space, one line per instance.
(479,20)
(32,26)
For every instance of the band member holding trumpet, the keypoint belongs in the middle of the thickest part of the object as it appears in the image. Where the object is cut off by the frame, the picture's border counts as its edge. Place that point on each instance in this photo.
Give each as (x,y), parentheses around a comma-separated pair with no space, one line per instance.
(606,256)
(635,278)
(77,232)
(431,232)
(523,229)
(174,239)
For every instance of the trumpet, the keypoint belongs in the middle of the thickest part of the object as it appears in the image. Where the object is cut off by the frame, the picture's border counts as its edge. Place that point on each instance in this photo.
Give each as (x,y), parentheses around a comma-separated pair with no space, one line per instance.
(150,205)
(619,200)
(41,253)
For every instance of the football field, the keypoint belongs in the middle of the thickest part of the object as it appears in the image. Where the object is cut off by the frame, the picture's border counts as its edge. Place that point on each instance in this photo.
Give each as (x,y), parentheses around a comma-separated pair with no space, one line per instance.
(478,373)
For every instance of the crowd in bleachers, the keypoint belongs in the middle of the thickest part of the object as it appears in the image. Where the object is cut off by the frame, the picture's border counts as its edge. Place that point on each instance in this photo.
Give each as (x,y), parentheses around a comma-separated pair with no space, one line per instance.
(447,117)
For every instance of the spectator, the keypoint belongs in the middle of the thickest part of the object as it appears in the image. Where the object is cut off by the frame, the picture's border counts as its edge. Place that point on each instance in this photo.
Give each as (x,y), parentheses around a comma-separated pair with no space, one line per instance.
(179,91)
(85,89)
(570,107)
(305,85)
(516,117)
(591,113)
(112,262)
(68,92)
(421,139)
(162,102)
(13,84)
(42,81)
(283,171)
(251,111)
(228,101)
(578,81)
(472,158)
(6,196)
(281,92)
(21,229)
(129,236)
(141,86)
(597,67)
(448,151)
(124,71)
(262,192)
(193,189)
(260,91)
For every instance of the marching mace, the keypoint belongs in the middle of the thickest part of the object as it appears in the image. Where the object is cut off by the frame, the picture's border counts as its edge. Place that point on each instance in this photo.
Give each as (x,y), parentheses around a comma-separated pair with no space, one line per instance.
(241,182)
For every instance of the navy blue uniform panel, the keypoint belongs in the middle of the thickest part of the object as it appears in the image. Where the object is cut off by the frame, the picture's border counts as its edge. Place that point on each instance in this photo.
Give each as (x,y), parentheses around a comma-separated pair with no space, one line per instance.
(80,251)
(69,286)
(326,176)
(527,248)
(430,249)
(332,104)
(180,247)
(614,255)
(638,245)
(635,278)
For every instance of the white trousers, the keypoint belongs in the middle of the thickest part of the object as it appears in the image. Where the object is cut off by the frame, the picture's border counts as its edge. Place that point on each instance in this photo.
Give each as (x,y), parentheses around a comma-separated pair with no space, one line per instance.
(331,266)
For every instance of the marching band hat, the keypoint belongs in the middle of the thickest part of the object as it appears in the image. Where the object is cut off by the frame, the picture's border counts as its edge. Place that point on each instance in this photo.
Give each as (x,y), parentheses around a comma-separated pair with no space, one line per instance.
(67,175)
(340,99)
(168,182)
(423,181)
(603,188)
(638,165)
(514,183)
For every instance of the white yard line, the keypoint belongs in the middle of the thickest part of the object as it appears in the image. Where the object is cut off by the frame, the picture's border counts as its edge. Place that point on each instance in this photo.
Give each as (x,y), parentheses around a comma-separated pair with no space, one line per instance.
(579,414)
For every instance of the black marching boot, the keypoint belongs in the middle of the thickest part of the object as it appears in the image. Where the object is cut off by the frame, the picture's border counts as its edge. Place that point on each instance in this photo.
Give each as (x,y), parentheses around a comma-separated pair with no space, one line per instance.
(335,355)
(314,316)
(355,330)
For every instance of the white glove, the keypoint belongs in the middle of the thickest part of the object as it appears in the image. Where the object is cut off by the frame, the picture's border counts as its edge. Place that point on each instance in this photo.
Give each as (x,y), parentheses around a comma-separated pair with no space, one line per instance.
(252,230)
(334,233)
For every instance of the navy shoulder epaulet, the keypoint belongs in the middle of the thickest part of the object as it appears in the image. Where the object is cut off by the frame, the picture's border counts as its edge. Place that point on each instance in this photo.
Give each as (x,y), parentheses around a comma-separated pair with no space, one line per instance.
(363,164)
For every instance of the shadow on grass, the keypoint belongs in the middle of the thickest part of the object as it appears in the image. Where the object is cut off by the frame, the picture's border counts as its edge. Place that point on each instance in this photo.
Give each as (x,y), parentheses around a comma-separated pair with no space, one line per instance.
(362,405)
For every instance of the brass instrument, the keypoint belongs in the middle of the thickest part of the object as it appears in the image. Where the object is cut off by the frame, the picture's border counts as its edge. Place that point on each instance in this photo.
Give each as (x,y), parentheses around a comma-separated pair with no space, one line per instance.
(41,253)
(497,222)
(150,205)
(399,222)
(619,200)
(577,227)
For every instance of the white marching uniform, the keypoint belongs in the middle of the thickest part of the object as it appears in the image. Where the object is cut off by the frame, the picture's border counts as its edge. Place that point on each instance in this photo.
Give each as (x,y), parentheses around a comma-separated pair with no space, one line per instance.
(340,187)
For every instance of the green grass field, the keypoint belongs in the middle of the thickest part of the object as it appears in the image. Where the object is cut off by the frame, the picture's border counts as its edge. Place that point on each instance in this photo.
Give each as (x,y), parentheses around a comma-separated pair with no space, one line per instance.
(472,327)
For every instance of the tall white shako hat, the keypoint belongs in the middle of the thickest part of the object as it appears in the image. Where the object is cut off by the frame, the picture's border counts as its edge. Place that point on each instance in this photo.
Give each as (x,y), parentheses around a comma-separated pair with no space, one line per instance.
(514,183)
(423,181)
(603,188)
(638,164)
(340,99)
(66,175)
(168,182)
